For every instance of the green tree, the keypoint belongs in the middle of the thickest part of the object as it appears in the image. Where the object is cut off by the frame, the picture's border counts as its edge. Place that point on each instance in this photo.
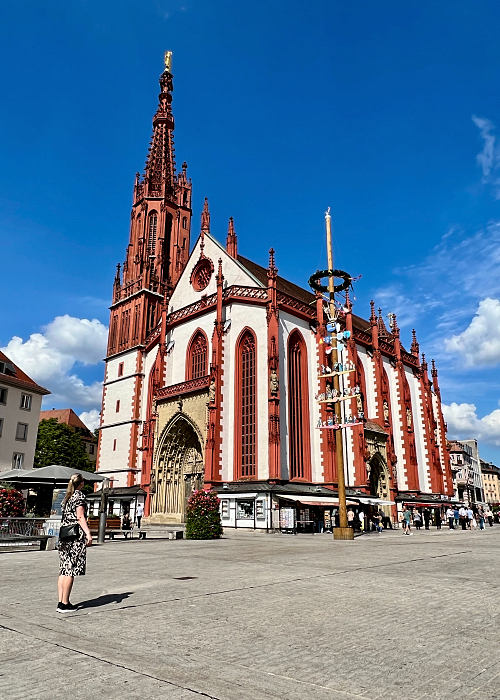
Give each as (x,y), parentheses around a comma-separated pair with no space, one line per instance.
(58,443)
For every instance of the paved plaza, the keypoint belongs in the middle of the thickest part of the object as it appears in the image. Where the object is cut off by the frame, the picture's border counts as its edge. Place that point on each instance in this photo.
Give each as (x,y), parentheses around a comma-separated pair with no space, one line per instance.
(263,616)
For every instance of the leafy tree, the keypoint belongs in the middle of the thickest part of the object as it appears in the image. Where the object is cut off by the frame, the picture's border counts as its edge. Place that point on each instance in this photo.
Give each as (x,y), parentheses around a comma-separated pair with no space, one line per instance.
(58,443)
(203,517)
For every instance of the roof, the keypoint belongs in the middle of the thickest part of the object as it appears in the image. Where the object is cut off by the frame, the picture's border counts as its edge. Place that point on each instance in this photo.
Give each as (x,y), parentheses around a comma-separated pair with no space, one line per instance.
(489,468)
(65,415)
(119,492)
(282,285)
(374,427)
(14,376)
(235,487)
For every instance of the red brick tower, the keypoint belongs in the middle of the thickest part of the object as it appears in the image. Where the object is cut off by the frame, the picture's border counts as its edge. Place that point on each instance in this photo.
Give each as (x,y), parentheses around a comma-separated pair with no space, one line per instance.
(157,252)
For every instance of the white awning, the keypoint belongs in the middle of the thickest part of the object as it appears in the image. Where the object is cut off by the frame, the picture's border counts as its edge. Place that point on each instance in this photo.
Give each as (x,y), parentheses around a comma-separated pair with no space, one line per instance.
(315,500)
(373,501)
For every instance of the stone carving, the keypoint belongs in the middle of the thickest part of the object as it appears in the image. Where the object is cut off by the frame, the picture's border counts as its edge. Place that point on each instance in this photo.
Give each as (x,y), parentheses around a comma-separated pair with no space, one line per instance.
(409,418)
(211,392)
(386,411)
(274,382)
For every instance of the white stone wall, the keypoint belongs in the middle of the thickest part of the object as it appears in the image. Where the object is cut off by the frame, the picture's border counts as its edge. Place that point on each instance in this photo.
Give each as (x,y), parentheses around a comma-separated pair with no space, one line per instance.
(417,402)
(13,414)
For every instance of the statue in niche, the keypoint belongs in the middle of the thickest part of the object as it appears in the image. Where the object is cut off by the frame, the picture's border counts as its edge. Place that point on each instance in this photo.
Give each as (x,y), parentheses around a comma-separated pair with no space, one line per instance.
(211,392)
(274,382)
(386,411)
(409,418)
(359,403)
(152,484)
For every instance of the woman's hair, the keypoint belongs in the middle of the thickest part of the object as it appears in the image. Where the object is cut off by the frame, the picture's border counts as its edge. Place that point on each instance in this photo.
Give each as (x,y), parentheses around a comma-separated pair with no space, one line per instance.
(75,481)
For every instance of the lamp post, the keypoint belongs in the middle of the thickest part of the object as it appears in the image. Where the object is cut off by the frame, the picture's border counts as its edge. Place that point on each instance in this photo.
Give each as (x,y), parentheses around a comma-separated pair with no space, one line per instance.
(103,507)
(343,532)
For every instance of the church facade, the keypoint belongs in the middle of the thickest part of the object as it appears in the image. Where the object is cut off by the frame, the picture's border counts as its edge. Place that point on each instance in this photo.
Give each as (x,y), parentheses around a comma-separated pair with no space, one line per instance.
(213,375)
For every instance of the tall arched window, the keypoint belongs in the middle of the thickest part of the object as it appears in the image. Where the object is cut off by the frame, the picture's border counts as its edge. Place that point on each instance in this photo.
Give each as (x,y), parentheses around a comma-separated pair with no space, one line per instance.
(196,364)
(153,225)
(298,409)
(246,406)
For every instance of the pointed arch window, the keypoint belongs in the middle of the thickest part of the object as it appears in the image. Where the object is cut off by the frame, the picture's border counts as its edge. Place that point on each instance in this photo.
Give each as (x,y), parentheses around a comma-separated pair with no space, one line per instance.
(197,356)
(298,409)
(246,406)
(153,226)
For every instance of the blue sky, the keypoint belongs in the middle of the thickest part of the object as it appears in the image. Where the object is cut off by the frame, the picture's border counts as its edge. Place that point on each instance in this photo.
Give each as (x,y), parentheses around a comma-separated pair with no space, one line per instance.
(385,111)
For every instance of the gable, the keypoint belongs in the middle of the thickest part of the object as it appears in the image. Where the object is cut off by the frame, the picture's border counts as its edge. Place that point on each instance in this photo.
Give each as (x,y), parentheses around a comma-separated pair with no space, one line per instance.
(234,273)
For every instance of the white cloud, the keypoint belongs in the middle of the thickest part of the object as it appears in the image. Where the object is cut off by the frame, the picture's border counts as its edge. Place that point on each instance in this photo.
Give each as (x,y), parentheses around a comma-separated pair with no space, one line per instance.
(463,423)
(489,158)
(92,419)
(49,357)
(479,343)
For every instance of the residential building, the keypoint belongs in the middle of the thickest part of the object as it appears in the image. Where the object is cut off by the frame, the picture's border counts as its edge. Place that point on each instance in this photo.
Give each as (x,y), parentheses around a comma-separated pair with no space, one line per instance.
(20,402)
(466,470)
(68,416)
(491,482)
(212,373)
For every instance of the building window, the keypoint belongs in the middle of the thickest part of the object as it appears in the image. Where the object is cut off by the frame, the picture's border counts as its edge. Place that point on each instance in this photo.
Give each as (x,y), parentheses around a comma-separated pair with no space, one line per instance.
(153,223)
(112,335)
(1,426)
(3,396)
(125,327)
(120,369)
(260,510)
(184,222)
(244,510)
(298,409)
(224,509)
(197,356)
(246,436)
(26,402)
(118,406)
(91,449)
(22,431)
(17,460)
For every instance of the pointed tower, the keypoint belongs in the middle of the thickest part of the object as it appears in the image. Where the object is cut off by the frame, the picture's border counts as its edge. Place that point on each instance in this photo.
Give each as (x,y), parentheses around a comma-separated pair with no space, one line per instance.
(155,257)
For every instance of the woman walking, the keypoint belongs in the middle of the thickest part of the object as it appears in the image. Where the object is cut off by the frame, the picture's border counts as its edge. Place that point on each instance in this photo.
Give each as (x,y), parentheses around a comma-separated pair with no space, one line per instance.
(73,553)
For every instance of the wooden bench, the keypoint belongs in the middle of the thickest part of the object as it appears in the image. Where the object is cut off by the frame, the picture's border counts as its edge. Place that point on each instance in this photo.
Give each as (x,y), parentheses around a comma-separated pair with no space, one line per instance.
(9,541)
(113,527)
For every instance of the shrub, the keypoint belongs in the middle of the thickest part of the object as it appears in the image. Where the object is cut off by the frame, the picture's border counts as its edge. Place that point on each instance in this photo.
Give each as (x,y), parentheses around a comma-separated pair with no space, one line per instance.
(11,503)
(203,517)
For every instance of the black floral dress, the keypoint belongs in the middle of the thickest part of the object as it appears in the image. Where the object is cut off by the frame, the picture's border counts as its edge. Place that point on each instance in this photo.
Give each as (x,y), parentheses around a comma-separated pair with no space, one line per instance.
(73,555)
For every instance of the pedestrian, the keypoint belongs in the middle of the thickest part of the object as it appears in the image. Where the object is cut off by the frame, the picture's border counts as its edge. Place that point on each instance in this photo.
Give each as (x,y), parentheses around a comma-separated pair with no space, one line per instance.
(427,517)
(438,518)
(73,552)
(456,516)
(489,516)
(361,517)
(463,517)
(480,515)
(417,520)
(139,513)
(407,521)
(350,518)
(126,523)
(470,518)
(450,514)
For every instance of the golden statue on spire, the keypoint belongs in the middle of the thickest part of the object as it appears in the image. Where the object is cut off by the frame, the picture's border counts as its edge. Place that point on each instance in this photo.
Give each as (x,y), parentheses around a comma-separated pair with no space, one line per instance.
(168,61)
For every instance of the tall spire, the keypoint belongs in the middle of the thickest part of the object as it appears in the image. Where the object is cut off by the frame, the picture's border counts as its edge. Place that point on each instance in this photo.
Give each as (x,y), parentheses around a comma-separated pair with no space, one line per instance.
(159,176)
(205,218)
(382,330)
(232,240)
(415,347)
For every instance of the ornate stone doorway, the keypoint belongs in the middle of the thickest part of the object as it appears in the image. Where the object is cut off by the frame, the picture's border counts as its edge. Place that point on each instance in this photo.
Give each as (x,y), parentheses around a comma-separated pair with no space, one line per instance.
(379,479)
(178,470)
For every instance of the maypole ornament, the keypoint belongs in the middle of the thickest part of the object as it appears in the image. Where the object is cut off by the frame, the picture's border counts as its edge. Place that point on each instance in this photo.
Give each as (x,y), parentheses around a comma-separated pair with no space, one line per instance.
(314,280)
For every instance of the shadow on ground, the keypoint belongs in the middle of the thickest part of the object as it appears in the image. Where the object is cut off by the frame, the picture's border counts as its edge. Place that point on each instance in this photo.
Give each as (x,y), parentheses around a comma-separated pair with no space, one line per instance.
(104,600)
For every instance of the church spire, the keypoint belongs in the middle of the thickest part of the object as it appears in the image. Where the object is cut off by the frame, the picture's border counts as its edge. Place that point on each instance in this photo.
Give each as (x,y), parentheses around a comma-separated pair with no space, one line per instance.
(232,240)
(159,175)
(205,218)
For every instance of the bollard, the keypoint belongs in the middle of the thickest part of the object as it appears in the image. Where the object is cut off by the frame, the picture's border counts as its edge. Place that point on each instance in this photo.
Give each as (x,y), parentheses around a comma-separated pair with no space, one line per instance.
(103,507)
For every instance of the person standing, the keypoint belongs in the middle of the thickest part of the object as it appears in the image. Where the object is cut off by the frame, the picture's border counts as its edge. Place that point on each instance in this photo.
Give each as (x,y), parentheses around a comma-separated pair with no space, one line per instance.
(407,521)
(350,518)
(417,520)
(470,518)
(463,517)
(139,513)
(489,516)
(480,517)
(73,554)
(427,517)
(456,515)
(450,514)
(437,516)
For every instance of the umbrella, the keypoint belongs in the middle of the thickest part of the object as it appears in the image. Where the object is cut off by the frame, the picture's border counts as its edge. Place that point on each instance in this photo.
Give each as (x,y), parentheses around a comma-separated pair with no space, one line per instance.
(54,475)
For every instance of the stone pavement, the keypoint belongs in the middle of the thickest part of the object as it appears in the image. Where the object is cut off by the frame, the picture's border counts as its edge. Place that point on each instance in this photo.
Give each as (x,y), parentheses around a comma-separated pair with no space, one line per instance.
(264,616)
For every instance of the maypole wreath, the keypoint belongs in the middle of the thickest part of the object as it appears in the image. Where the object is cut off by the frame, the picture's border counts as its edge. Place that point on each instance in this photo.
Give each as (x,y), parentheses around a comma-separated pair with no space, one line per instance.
(314,280)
